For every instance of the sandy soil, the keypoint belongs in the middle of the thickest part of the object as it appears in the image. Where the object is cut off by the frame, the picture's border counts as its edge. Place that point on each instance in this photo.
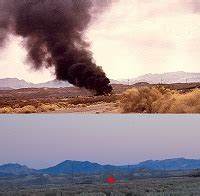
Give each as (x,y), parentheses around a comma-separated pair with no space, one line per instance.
(100,108)
(71,99)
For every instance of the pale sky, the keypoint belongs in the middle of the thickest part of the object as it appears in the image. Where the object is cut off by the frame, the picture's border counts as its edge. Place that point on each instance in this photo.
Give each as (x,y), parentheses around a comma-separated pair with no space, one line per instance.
(40,141)
(132,38)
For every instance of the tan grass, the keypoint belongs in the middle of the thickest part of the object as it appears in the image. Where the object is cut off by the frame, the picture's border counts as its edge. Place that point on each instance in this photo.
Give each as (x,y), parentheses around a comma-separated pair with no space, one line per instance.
(160,100)
(6,110)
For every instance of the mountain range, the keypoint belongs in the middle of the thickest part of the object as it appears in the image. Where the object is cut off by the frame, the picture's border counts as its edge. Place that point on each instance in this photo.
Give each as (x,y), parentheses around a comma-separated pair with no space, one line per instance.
(15,83)
(15,169)
(68,166)
(168,78)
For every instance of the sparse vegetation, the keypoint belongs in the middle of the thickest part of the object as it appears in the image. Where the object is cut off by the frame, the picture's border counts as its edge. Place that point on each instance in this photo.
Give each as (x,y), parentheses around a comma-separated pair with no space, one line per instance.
(160,100)
(157,187)
(6,110)
(139,100)
(173,98)
(41,100)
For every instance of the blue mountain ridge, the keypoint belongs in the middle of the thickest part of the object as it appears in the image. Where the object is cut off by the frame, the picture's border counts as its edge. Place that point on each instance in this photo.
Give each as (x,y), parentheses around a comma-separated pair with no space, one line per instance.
(68,166)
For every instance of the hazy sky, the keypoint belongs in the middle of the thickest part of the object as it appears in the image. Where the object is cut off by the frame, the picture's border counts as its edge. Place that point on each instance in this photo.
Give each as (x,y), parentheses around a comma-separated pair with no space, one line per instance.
(44,140)
(134,37)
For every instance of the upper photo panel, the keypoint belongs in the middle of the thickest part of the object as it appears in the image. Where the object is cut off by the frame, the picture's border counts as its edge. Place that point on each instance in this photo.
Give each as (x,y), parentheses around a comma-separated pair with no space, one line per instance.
(100,56)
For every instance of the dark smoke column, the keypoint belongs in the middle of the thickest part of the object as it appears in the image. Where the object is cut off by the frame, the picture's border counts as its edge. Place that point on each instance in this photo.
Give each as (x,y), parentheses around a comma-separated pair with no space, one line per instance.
(53,32)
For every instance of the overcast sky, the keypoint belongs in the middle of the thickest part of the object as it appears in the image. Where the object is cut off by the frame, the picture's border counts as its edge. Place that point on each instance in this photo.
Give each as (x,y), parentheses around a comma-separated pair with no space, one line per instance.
(44,140)
(132,38)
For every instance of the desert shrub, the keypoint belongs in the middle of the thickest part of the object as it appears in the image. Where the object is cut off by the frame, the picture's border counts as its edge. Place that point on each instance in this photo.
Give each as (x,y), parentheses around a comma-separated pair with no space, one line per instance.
(47,107)
(116,104)
(179,103)
(6,110)
(160,100)
(139,100)
(81,105)
(26,109)
(71,106)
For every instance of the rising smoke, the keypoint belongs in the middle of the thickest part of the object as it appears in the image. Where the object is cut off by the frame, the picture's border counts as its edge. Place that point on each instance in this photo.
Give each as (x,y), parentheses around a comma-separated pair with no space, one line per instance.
(53,33)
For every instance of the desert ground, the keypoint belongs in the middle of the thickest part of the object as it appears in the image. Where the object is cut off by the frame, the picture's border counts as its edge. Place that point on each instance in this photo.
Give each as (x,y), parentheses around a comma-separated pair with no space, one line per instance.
(138,98)
(127,183)
(161,186)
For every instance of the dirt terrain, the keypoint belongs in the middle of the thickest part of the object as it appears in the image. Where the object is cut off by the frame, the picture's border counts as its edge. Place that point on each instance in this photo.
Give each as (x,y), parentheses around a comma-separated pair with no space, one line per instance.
(72,99)
(58,100)
(161,186)
(127,183)
(98,108)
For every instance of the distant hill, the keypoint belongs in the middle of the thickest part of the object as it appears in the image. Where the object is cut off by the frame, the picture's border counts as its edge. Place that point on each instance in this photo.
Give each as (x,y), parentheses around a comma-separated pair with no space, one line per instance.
(115,81)
(53,84)
(80,167)
(169,164)
(167,78)
(14,83)
(68,166)
(16,169)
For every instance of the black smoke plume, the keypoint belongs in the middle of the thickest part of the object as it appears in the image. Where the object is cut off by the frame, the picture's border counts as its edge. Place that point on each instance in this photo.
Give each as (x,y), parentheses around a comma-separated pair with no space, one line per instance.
(53,33)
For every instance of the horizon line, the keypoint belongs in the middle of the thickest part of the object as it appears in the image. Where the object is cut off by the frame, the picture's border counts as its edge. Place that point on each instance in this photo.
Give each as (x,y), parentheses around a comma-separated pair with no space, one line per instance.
(105,164)
(117,79)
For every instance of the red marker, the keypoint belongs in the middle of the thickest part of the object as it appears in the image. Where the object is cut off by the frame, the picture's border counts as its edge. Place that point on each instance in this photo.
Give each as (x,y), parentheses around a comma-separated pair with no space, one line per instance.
(111,179)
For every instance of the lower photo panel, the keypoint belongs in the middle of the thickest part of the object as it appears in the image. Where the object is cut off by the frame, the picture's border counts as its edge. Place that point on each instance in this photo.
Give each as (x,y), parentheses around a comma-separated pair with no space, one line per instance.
(99,155)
